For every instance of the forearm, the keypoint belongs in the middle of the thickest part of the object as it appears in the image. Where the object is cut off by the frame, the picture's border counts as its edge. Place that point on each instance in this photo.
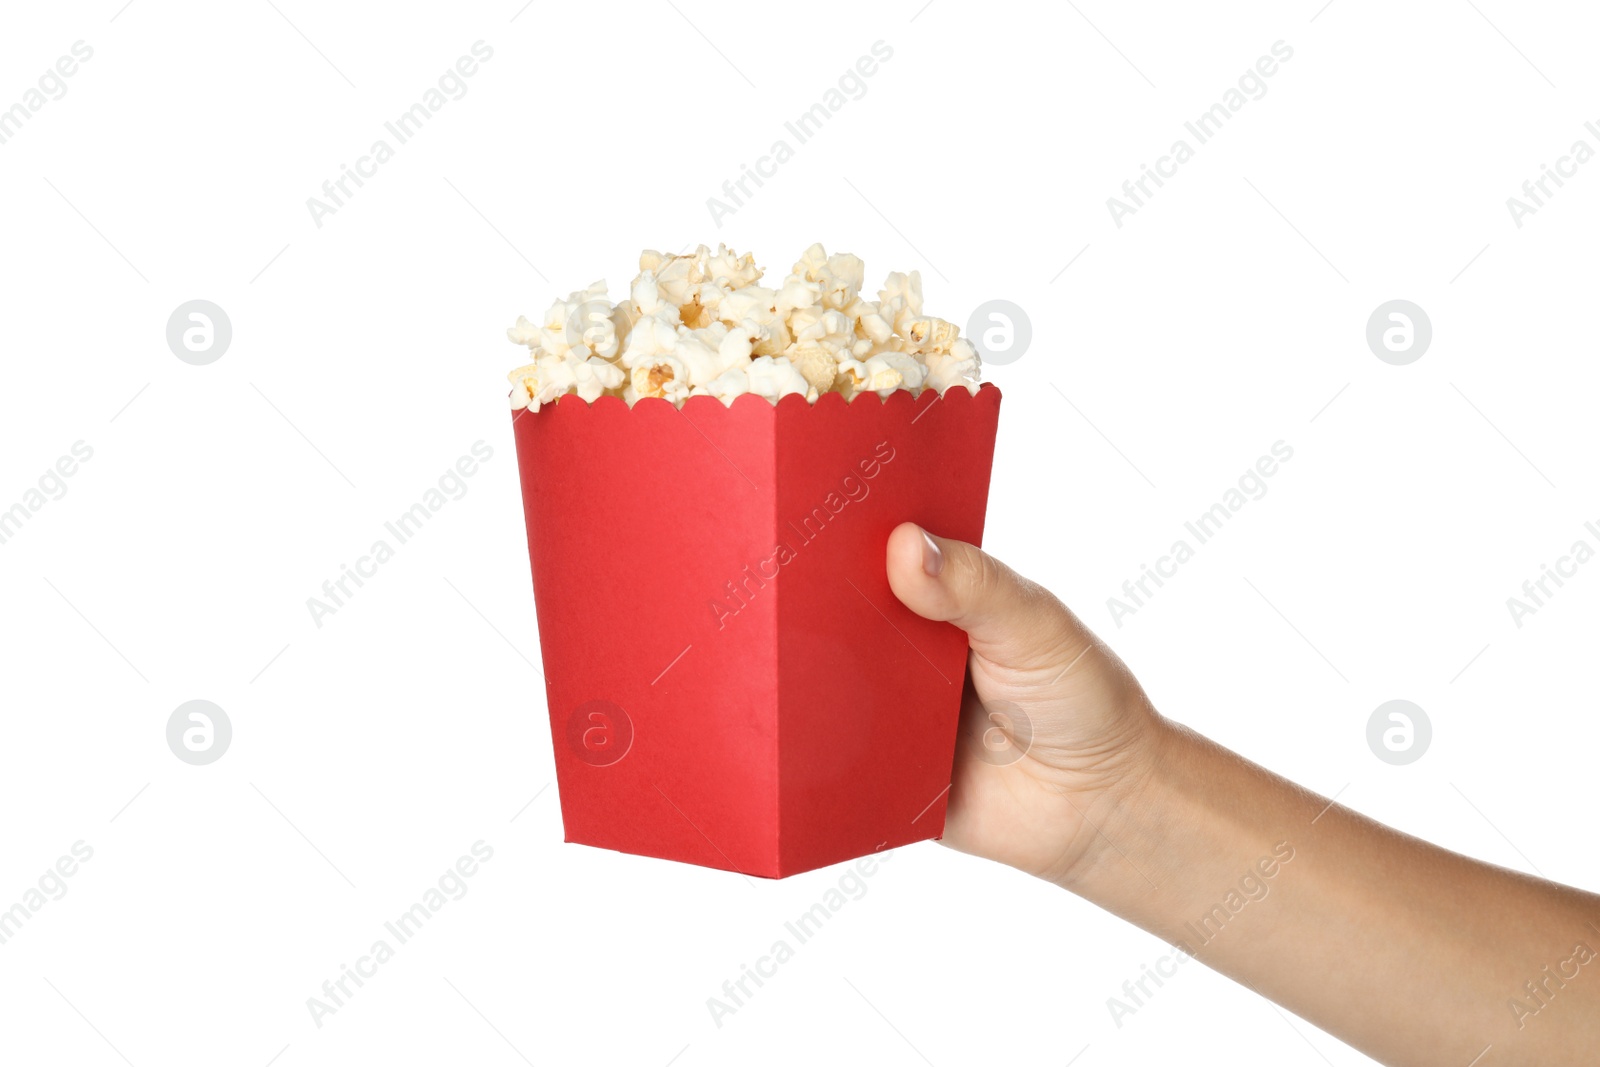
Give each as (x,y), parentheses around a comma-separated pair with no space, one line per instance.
(1409,952)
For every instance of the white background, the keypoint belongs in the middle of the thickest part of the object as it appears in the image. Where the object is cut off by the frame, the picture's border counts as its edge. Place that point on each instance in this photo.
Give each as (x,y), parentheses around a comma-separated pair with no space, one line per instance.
(368,354)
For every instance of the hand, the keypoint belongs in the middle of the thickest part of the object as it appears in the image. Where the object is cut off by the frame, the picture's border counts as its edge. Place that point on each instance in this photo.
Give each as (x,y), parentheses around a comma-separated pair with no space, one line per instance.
(1054,728)
(1060,754)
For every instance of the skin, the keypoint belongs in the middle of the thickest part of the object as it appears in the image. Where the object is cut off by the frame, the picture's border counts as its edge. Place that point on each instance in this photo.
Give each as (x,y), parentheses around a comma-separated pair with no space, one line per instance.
(1409,952)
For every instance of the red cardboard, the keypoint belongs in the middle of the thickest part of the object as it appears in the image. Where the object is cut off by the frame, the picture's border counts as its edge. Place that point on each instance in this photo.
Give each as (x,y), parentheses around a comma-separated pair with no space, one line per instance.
(730,680)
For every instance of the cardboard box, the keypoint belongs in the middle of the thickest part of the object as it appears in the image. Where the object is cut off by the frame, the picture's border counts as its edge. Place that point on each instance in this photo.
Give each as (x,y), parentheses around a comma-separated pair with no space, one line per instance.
(730,680)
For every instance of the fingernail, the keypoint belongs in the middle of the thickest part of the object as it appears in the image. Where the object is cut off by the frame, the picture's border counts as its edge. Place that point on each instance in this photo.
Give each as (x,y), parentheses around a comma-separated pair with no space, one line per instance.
(932,556)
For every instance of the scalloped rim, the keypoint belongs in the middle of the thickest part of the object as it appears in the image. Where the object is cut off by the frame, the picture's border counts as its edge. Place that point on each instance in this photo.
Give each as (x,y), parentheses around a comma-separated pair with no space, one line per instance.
(898,397)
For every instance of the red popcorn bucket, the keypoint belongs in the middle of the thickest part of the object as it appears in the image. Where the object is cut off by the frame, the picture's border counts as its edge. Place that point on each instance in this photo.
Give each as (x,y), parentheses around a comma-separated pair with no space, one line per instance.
(731,682)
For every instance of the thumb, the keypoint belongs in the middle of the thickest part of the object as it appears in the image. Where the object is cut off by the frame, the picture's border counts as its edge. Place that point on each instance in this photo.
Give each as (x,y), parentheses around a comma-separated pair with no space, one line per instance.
(1010,621)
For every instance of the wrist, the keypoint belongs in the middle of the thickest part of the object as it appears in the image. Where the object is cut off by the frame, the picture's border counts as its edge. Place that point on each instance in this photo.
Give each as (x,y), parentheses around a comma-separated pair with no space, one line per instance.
(1129,819)
(1188,831)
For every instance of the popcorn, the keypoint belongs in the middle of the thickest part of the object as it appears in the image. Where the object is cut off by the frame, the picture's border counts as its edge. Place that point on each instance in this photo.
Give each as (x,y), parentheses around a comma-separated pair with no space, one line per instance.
(735,272)
(767,376)
(775,378)
(652,335)
(796,293)
(594,328)
(871,323)
(700,353)
(623,318)
(876,374)
(927,334)
(736,348)
(958,367)
(756,308)
(594,376)
(548,377)
(811,262)
(751,302)
(901,295)
(913,372)
(526,390)
(659,376)
(841,279)
(566,323)
(839,276)
(524,332)
(729,384)
(675,275)
(647,299)
(704,301)
(699,324)
(826,327)
(816,364)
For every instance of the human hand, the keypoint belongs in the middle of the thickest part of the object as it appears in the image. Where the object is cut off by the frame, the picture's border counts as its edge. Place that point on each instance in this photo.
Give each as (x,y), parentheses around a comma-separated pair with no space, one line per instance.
(1054,728)
(1060,754)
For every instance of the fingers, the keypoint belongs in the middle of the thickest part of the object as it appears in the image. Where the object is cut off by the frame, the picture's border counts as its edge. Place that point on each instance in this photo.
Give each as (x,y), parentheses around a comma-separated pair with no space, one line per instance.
(1009,620)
